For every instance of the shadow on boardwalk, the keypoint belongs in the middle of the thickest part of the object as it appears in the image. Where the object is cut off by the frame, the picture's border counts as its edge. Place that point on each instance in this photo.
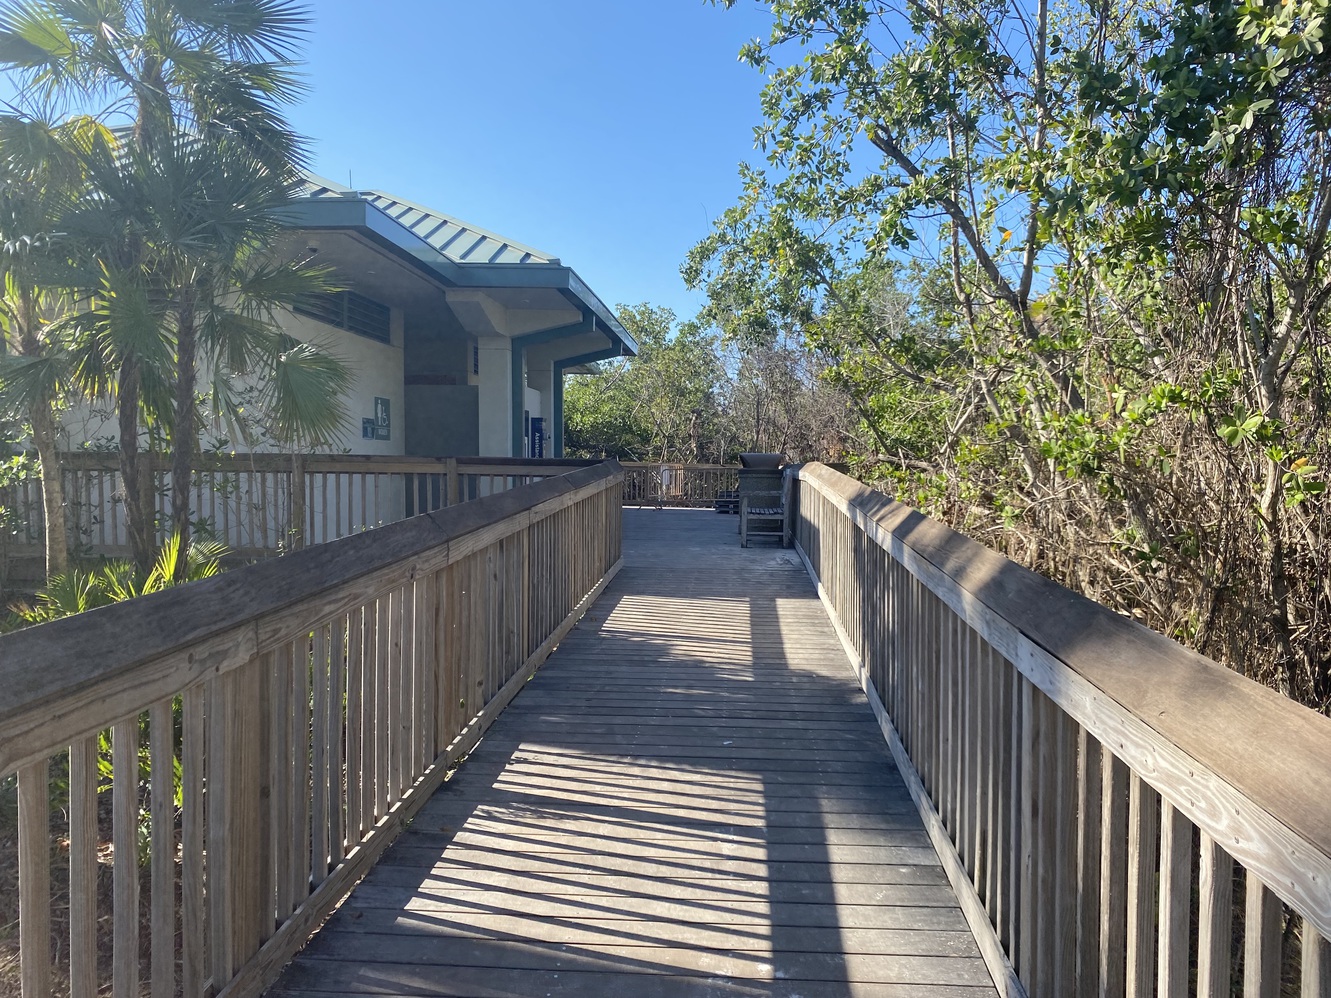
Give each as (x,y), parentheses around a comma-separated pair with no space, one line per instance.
(691,798)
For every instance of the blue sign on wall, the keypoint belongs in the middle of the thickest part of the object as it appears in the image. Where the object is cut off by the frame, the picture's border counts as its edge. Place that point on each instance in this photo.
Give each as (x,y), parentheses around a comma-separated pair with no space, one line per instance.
(378,427)
(538,436)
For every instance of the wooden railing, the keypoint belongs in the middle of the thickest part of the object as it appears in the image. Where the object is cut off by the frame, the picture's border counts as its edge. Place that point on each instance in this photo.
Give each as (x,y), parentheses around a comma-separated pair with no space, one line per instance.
(310,704)
(263,504)
(697,485)
(1120,816)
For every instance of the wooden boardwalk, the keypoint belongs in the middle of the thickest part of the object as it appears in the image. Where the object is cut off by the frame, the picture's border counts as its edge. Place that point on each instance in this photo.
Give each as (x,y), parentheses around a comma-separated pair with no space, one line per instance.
(691,798)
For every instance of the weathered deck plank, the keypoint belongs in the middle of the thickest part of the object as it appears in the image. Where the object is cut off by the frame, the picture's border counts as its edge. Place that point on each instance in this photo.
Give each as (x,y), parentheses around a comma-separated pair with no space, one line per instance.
(691,799)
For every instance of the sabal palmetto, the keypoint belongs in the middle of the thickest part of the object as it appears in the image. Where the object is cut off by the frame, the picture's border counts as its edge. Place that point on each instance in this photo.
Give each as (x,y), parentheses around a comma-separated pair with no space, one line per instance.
(185,204)
(200,218)
(40,178)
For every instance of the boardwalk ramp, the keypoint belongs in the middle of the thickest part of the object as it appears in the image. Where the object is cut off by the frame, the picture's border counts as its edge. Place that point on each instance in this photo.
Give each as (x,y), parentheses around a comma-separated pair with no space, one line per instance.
(691,798)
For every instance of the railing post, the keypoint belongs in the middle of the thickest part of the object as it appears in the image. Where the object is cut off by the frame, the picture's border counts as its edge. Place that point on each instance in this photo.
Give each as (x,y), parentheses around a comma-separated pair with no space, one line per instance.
(451,483)
(297,527)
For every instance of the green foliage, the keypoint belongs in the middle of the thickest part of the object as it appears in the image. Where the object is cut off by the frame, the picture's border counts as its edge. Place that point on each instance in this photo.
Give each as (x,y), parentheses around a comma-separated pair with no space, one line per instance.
(88,588)
(1070,265)
(148,249)
(690,397)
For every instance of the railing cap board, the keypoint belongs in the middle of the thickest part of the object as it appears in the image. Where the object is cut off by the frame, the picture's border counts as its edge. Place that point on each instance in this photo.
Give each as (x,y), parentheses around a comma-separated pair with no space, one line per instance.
(679,466)
(1273,750)
(92,652)
(107,461)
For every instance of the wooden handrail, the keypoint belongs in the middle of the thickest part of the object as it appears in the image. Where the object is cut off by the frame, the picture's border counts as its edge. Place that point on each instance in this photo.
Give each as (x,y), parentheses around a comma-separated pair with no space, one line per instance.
(265,504)
(319,698)
(1065,756)
(680,485)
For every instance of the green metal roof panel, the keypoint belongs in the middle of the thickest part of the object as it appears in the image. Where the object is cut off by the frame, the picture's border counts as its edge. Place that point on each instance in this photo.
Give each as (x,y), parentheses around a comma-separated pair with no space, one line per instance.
(461,254)
(460,241)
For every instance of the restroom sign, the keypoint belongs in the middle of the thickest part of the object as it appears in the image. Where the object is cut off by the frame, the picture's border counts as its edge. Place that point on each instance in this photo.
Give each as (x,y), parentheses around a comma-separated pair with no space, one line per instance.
(380,425)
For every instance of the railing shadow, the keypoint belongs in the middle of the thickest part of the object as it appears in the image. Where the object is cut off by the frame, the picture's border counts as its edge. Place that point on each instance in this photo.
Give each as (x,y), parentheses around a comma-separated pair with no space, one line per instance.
(676,806)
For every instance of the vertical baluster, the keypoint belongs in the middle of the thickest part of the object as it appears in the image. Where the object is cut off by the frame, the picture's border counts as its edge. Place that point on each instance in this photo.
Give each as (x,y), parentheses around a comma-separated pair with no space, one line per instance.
(269,767)
(221,849)
(354,725)
(161,753)
(1015,811)
(1029,899)
(83,840)
(983,756)
(281,763)
(1113,877)
(301,758)
(102,515)
(319,771)
(193,951)
(34,888)
(125,837)
(1261,941)
(1215,889)
(1063,835)
(369,713)
(1175,898)
(1000,764)
(338,530)
(265,541)
(450,683)
(383,773)
(427,618)
(337,650)
(1090,798)
(1316,976)
(1051,840)
(400,693)
(1143,823)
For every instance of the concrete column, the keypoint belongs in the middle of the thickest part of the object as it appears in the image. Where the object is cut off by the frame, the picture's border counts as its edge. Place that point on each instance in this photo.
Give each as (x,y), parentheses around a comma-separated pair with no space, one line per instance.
(495,438)
(557,415)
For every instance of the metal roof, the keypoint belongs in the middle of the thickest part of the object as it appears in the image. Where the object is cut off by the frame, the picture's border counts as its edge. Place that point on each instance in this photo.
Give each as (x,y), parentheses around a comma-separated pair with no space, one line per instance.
(459,241)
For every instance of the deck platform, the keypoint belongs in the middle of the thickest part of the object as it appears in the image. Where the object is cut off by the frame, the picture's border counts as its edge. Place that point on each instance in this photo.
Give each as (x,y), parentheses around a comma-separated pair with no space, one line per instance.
(692,798)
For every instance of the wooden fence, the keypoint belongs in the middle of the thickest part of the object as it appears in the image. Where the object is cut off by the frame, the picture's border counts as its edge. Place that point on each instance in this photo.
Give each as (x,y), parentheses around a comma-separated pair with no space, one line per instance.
(1119,816)
(647,484)
(311,703)
(263,504)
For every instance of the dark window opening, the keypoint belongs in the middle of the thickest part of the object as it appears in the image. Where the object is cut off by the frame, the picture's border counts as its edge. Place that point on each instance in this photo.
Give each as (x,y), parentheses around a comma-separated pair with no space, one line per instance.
(350,311)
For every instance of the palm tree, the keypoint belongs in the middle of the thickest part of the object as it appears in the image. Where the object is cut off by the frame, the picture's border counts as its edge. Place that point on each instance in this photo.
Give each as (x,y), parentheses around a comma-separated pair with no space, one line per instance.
(39,179)
(185,203)
(201,216)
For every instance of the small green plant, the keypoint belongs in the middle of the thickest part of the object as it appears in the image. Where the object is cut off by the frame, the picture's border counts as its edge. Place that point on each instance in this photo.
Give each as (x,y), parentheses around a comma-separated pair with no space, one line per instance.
(87,588)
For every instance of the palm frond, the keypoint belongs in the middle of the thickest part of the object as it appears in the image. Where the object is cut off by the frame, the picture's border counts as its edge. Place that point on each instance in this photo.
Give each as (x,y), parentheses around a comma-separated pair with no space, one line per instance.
(132,320)
(249,29)
(28,382)
(305,400)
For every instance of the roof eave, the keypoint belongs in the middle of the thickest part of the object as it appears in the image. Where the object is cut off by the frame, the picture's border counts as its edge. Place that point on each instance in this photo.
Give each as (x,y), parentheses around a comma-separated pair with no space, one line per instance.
(356,213)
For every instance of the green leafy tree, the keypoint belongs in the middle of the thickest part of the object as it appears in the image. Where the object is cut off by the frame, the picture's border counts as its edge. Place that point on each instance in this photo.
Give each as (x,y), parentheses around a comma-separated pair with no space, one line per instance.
(1106,228)
(657,406)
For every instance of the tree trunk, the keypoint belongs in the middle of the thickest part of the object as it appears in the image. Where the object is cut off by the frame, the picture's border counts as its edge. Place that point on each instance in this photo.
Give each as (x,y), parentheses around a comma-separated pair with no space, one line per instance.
(45,439)
(183,436)
(135,471)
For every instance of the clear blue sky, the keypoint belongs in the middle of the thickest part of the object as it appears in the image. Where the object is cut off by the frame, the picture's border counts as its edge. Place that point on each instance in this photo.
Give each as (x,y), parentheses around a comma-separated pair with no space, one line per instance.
(605,132)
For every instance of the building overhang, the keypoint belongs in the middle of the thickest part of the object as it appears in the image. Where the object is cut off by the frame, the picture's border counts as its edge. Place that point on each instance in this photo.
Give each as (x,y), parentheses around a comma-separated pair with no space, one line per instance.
(488,296)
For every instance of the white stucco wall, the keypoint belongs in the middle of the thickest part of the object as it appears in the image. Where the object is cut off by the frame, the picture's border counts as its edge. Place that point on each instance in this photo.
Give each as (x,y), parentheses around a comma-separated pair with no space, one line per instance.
(376,370)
